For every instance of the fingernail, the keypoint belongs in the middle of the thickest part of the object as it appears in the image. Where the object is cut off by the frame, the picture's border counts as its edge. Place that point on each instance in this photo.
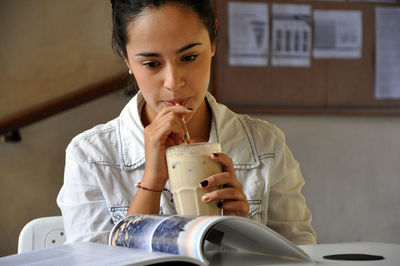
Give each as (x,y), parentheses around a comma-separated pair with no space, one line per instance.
(204,183)
(219,204)
(191,109)
(215,154)
(205,197)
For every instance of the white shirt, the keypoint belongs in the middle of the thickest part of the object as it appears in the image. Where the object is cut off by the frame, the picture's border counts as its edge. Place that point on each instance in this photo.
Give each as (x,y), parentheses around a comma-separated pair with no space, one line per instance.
(104,163)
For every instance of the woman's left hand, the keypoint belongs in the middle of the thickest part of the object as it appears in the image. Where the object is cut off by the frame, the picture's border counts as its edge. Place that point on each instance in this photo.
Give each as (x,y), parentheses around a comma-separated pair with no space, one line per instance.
(230,195)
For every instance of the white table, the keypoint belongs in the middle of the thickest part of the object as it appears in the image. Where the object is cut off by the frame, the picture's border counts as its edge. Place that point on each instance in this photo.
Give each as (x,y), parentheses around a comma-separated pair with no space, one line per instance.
(391,253)
(97,254)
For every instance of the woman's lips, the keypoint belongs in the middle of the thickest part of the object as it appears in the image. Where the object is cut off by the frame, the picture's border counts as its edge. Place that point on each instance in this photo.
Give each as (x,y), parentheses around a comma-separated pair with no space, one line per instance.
(174,102)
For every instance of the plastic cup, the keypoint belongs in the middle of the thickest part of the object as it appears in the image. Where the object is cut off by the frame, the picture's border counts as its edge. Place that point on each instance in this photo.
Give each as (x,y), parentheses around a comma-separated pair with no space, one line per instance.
(188,165)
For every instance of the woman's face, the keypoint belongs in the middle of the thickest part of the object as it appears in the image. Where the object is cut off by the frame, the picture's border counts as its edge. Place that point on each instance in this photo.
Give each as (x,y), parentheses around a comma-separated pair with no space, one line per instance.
(169,52)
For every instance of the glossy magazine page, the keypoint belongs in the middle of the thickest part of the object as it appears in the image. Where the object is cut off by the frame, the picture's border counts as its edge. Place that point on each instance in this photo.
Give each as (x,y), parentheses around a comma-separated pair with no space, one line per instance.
(180,235)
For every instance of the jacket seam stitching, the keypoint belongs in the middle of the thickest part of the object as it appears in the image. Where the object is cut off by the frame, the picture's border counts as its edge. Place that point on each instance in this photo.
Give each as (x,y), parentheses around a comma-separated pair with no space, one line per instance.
(121,152)
(104,163)
(94,132)
(249,141)
(118,208)
(267,155)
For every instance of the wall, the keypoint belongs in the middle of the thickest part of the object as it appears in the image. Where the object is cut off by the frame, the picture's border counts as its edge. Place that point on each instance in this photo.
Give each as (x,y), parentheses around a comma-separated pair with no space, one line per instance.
(352,171)
(49,49)
(31,171)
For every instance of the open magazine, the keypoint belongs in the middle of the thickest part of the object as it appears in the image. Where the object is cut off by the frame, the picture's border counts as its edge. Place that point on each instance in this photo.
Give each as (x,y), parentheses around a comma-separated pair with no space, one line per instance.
(215,240)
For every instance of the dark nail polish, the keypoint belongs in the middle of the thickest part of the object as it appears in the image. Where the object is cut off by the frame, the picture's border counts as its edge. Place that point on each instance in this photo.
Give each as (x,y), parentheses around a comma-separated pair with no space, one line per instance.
(215,154)
(204,183)
(219,204)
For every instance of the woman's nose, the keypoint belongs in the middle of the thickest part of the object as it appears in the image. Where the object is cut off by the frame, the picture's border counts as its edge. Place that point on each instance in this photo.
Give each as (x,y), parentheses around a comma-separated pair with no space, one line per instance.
(173,79)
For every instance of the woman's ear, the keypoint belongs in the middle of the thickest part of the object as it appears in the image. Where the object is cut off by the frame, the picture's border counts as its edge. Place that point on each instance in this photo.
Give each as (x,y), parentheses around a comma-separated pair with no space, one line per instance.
(213,48)
(126,62)
(214,42)
(216,25)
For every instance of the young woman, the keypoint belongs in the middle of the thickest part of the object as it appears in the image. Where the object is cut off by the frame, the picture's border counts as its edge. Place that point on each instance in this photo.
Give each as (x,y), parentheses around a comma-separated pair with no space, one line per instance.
(167,47)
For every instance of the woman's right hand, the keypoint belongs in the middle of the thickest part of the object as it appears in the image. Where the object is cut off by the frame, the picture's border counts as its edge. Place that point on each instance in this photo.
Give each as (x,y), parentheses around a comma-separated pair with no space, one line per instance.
(166,130)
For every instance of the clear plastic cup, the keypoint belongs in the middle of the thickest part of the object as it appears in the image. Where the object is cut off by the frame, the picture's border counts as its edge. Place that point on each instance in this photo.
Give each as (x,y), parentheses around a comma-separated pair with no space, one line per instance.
(188,165)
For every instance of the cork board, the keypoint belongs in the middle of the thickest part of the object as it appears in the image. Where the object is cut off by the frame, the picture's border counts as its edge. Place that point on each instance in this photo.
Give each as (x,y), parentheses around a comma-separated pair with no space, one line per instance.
(328,85)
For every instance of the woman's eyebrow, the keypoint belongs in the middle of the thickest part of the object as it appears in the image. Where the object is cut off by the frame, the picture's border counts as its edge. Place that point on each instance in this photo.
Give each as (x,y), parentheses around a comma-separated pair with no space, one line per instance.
(148,54)
(186,47)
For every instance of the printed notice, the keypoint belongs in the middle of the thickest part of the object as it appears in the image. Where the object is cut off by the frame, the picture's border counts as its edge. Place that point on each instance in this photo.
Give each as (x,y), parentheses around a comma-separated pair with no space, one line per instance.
(248,34)
(337,34)
(387,53)
(291,35)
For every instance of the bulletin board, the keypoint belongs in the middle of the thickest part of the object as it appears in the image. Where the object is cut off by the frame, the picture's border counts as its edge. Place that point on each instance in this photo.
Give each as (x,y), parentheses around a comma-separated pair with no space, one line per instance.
(331,86)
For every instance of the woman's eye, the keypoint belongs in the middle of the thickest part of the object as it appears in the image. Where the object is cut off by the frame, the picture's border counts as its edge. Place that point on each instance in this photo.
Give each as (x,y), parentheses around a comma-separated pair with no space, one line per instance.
(189,58)
(151,64)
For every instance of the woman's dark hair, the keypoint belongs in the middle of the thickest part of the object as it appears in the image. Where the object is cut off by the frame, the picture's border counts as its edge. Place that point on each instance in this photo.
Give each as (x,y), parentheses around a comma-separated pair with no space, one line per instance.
(125,11)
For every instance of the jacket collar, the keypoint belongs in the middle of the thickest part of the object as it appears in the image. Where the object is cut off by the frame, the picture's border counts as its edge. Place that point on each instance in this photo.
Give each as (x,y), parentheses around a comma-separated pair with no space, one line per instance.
(227,128)
(233,134)
(131,134)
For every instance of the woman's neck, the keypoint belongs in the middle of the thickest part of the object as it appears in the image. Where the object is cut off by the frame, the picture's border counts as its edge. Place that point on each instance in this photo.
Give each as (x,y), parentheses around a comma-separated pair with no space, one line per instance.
(199,125)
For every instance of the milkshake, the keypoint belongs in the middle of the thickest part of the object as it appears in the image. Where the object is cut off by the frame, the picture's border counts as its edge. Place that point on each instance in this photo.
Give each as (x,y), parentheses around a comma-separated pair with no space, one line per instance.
(188,165)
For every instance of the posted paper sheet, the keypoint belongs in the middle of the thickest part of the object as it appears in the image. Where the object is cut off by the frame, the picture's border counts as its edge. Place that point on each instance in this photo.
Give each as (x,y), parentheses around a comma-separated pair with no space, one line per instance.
(291,35)
(248,34)
(387,54)
(337,34)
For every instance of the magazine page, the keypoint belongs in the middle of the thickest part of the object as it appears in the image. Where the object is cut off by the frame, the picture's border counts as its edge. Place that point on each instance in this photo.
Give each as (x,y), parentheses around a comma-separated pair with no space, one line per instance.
(245,235)
(180,235)
(89,253)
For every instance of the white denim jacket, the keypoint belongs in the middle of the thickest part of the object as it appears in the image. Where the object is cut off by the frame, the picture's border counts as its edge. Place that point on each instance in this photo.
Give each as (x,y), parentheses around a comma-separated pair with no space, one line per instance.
(104,163)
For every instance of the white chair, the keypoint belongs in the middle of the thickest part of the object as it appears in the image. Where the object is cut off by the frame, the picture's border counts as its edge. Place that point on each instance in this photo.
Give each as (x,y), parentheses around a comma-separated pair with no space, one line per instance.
(42,233)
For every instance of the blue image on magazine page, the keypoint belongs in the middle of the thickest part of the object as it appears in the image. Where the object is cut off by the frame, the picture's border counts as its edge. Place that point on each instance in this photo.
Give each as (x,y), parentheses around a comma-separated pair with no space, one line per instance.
(150,232)
(165,237)
(135,231)
(181,235)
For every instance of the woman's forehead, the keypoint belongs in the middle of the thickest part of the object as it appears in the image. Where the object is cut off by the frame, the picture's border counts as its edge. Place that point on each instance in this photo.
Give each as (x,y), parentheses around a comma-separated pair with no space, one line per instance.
(169,24)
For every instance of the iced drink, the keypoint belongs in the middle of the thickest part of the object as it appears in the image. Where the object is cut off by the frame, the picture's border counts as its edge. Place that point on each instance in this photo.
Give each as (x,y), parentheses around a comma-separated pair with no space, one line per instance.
(188,165)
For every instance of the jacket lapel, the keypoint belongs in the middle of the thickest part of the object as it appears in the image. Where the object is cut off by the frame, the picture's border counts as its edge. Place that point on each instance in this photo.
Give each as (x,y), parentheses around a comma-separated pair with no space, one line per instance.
(131,134)
(234,135)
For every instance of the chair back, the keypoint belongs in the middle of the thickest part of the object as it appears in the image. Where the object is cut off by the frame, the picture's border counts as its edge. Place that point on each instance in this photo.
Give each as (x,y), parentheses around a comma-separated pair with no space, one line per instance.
(42,233)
